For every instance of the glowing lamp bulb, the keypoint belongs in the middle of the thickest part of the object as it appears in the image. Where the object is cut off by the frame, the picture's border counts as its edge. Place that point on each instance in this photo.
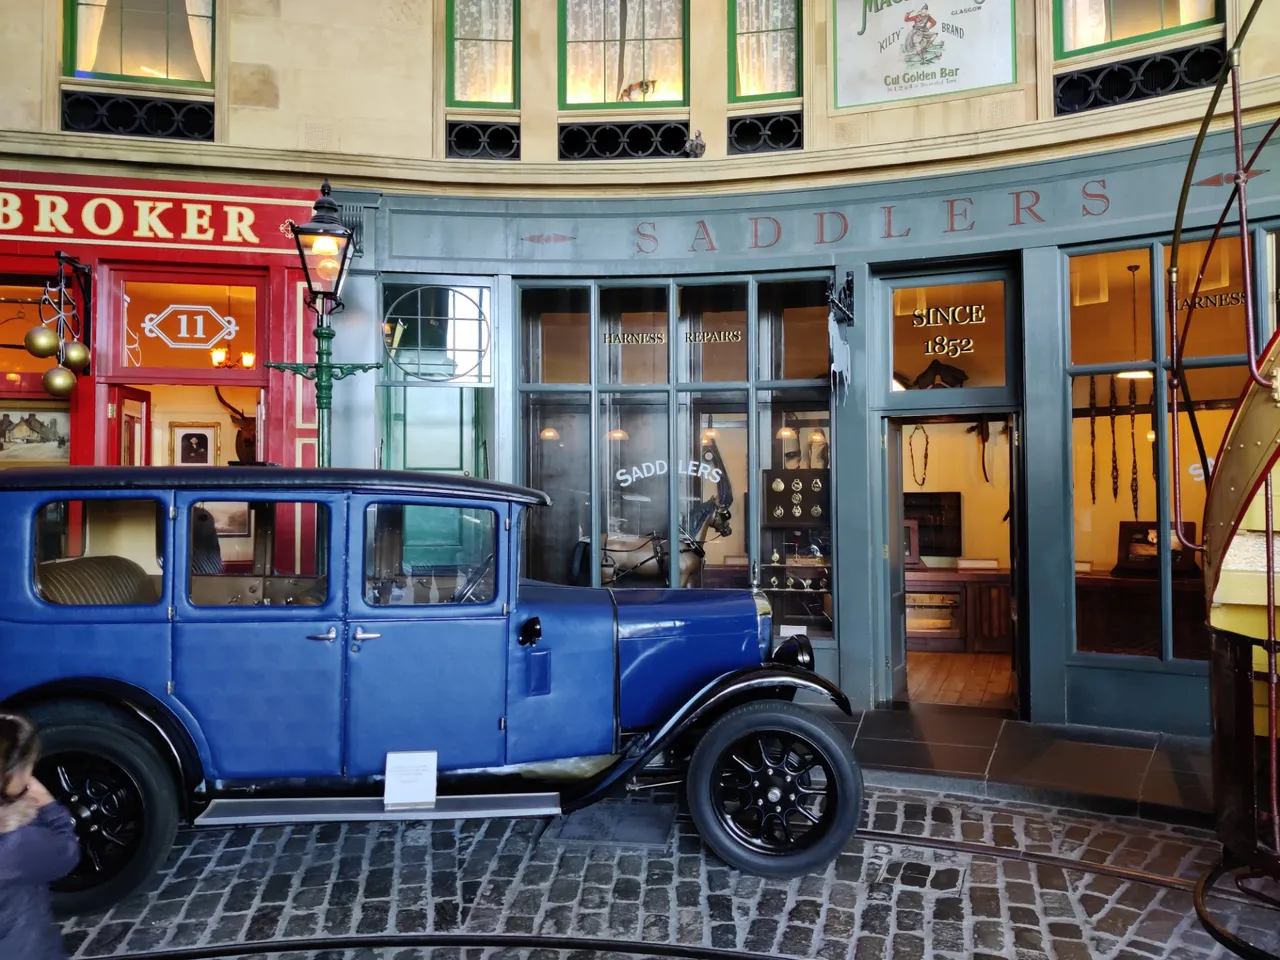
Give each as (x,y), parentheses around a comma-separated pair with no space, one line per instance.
(324,246)
(327,270)
(247,360)
(218,355)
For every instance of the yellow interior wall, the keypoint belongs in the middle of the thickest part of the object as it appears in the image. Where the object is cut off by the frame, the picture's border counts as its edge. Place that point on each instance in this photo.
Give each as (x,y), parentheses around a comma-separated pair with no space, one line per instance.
(955,466)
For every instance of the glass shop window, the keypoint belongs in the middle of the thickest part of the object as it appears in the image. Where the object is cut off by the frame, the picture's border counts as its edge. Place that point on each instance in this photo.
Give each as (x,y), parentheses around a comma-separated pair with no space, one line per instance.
(1088,24)
(1218,322)
(633,335)
(437,334)
(439,428)
(557,334)
(188,326)
(794,342)
(557,457)
(1111,307)
(622,51)
(258,554)
(485,52)
(1117,574)
(796,561)
(712,434)
(765,55)
(16,318)
(142,39)
(99,552)
(418,554)
(635,518)
(1214,393)
(951,335)
(712,333)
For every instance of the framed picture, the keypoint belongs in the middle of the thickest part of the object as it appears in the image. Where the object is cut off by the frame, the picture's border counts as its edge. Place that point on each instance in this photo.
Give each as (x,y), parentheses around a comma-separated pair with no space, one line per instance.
(230,519)
(193,444)
(32,431)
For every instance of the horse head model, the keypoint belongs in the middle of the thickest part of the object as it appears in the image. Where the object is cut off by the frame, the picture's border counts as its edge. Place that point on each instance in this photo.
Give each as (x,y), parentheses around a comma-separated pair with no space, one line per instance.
(645,559)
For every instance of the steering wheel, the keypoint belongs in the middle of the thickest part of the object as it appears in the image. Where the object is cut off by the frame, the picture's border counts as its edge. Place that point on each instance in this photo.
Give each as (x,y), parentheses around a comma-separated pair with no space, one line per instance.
(464,593)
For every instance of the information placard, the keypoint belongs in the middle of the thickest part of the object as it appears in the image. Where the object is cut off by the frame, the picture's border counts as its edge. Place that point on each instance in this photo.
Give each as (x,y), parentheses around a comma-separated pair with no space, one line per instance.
(410,781)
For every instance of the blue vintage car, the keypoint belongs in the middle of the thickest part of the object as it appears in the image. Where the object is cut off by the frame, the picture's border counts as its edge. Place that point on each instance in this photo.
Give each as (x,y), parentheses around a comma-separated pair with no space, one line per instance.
(247,645)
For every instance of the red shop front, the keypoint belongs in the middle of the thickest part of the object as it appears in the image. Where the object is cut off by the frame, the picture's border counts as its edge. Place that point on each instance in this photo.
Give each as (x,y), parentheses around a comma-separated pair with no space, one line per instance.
(187,290)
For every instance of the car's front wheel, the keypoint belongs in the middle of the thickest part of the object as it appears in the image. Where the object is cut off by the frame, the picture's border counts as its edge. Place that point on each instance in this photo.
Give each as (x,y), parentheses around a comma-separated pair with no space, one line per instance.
(774,789)
(108,774)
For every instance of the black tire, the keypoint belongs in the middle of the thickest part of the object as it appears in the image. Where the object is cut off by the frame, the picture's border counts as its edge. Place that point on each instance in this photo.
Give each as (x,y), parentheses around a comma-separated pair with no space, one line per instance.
(102,766)
(727,796)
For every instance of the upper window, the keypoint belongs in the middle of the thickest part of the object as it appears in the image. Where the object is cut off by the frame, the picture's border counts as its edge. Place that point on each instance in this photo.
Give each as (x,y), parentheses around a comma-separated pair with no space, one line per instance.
(622,51)
(483,52)
(1085,25)
(764,52)
(161,40)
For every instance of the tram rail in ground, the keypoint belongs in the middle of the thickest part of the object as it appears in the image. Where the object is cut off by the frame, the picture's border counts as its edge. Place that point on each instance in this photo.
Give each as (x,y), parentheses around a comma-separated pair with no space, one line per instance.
(313,946)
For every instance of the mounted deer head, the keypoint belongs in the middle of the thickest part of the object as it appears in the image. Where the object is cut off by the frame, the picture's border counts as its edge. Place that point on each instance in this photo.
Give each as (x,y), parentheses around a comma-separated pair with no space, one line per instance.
(246,431)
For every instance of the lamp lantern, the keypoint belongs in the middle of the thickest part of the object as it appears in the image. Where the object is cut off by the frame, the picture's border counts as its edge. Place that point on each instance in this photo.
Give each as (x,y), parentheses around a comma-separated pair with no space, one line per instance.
(324,246)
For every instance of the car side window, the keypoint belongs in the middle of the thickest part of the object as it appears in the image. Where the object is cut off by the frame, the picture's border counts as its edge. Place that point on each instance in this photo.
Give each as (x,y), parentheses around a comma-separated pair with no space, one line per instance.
(258,554)
(103,552)
(418,554)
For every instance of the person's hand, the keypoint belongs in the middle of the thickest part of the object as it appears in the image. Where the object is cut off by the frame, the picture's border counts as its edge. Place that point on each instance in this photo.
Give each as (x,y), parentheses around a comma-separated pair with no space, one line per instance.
(37,793)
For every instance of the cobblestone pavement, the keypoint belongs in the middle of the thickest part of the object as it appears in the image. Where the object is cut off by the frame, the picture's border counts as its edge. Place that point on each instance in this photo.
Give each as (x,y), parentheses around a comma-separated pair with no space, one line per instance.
(899,900)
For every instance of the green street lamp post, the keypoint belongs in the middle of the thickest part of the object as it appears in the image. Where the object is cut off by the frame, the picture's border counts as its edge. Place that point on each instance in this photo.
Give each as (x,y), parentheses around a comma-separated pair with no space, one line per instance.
(325,248)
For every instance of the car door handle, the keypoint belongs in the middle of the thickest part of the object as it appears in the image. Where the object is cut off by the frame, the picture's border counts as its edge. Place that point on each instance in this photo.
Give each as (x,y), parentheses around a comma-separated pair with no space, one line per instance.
(361,635)
(329,637)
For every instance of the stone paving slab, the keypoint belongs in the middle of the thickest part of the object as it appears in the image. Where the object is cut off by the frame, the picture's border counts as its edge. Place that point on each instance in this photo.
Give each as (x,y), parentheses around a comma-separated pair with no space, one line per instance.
(897,899)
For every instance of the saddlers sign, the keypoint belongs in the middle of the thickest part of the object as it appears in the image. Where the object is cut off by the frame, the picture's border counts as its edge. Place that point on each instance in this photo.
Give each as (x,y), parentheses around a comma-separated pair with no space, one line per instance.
(191,216)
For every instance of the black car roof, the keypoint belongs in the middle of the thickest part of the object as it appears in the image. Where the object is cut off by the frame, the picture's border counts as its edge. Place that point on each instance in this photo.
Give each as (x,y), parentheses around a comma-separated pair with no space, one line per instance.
(206,478)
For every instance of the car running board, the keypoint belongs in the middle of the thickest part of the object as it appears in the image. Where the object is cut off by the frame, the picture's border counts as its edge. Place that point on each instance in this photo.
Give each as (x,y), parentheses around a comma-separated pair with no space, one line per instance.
(262,810)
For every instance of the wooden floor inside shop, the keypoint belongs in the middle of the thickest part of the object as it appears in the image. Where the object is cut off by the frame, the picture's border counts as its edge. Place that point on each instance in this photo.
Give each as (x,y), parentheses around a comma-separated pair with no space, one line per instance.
(963,679)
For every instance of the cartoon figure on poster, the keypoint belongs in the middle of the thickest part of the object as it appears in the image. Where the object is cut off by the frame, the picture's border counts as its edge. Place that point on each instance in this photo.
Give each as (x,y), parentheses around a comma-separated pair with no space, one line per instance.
(922,45)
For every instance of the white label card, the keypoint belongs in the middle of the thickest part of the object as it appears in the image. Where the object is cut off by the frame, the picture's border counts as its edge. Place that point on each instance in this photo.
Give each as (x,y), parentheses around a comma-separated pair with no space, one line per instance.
(411,781)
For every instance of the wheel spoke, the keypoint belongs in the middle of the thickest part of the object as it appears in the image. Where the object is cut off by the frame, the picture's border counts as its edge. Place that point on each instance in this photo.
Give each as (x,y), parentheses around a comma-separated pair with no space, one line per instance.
(64,779)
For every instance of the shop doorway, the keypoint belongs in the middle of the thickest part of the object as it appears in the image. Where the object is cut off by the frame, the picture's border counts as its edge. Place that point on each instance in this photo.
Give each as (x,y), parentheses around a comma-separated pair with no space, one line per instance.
(956,579)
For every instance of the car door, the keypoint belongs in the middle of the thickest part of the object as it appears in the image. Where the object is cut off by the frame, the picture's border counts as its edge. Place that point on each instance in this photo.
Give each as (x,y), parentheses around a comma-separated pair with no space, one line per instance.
(427,631)
(258,634)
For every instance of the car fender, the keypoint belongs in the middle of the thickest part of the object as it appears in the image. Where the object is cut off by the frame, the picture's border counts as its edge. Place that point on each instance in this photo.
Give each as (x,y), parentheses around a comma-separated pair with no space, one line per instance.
(730,689)
(172,733)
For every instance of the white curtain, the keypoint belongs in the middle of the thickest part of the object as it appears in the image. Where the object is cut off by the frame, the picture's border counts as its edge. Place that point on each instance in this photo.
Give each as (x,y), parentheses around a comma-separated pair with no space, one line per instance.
(766,46)
(1085,23)
(200,24)
(483,71)
(1193,11)
(89,17)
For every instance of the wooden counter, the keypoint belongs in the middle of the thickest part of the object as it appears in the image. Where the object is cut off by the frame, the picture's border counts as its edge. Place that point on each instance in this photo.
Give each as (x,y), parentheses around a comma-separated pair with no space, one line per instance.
(1122,615)
(959,611)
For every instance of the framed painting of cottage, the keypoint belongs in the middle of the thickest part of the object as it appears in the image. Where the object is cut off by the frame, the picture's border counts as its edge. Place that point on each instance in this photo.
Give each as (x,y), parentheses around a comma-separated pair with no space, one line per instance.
(34,432)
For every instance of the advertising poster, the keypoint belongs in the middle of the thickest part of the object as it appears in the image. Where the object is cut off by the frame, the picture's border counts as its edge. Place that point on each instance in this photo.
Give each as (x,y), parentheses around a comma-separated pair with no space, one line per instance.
(889,50)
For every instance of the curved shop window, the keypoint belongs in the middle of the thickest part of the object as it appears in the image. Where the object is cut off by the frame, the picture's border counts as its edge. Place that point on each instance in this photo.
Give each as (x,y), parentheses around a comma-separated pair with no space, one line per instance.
(1138,591)
(683,431)
(436,384)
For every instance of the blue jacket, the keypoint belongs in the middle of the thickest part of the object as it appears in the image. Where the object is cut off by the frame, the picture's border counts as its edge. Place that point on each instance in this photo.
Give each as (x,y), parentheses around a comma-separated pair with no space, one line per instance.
(31,858)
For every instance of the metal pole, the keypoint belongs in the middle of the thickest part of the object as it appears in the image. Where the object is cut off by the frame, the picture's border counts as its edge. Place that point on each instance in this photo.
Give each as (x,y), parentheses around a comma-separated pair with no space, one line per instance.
(324,380)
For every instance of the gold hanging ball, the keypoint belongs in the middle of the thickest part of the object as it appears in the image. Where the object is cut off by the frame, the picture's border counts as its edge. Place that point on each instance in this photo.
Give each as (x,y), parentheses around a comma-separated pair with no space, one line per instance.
(41,342)
(59,381)
(75,356)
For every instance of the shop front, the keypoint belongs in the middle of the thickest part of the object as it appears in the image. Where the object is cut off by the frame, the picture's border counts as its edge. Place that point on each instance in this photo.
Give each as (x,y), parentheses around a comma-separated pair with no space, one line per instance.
(177,294)
(929,418)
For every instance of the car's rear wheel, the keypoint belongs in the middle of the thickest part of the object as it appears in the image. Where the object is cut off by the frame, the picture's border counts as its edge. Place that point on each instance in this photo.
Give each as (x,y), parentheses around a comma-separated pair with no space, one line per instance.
(774,789)
(120,791)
